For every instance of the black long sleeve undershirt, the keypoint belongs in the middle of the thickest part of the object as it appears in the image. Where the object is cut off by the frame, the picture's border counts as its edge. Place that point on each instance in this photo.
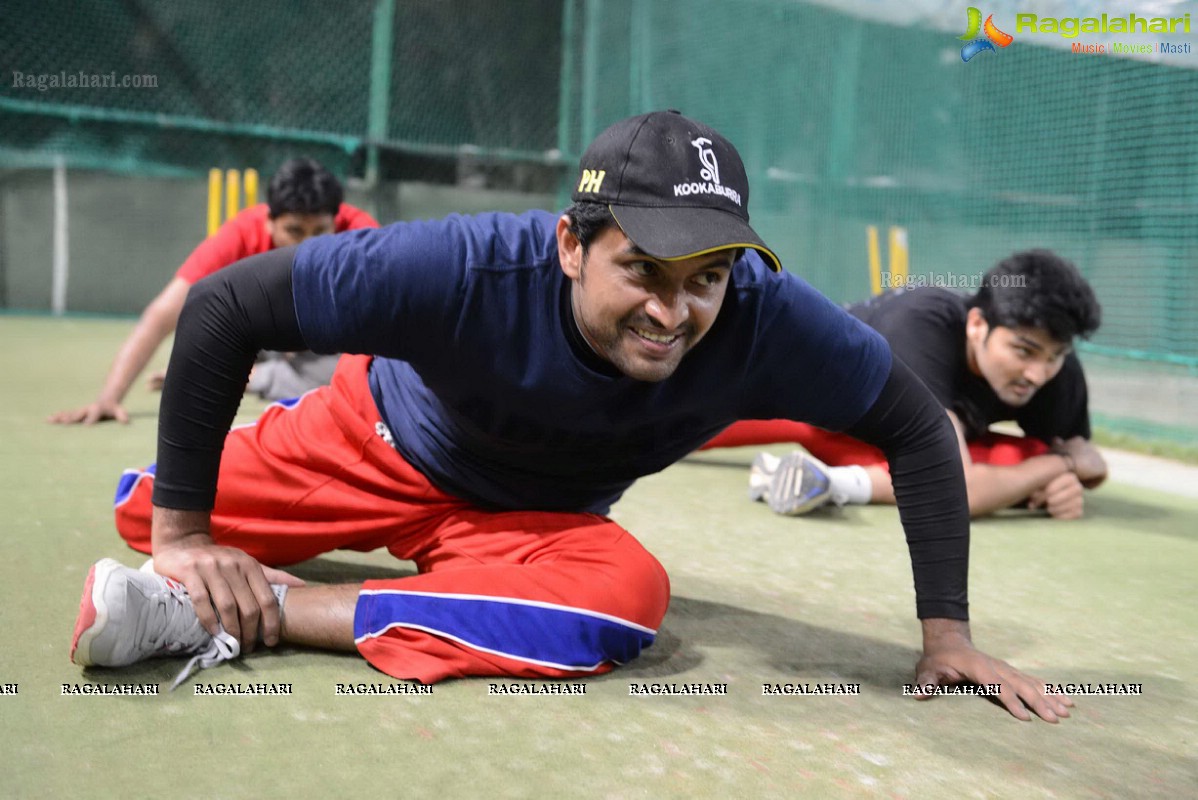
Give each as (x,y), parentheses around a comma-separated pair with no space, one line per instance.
(913,430)
(228,317)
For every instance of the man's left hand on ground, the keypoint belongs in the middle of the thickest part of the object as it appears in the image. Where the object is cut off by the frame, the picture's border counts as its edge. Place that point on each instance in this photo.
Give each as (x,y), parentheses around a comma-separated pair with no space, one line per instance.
(949,657)
(1088,463)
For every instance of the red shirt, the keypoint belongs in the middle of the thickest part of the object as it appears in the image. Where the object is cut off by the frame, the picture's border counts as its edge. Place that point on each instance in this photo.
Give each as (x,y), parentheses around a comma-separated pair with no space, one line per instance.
(245,235)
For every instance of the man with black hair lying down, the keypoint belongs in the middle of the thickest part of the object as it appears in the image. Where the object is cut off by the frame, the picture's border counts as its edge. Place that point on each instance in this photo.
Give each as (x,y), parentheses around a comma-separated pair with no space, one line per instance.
(1006,353)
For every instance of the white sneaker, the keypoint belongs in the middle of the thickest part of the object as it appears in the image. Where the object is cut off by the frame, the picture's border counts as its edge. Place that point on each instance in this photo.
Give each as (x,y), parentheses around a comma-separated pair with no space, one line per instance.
(128,615)
(799,483)
(761,475)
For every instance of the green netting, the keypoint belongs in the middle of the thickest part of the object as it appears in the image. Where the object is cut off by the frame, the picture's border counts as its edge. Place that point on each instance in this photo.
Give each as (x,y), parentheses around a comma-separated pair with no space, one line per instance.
(843,122)
(846,123)
(210,83)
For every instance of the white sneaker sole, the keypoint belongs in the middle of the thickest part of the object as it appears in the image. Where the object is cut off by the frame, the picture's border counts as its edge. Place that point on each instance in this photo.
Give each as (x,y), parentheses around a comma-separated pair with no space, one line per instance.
(93,611)
(761,475)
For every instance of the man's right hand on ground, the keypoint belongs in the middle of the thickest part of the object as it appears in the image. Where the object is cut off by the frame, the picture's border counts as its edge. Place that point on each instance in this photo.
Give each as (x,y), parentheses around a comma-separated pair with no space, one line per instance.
(1062,497)
(98,411)
(227,587)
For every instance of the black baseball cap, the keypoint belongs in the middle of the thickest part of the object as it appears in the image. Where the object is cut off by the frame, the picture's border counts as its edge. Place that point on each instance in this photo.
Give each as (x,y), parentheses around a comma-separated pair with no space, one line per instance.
(676,187)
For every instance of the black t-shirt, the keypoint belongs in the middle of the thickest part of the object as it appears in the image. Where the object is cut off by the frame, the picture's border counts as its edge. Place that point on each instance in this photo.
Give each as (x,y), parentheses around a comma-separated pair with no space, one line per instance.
(926,328)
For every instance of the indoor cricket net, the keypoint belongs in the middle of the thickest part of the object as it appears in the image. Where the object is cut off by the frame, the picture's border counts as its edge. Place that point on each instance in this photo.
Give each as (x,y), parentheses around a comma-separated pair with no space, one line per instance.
(845,123)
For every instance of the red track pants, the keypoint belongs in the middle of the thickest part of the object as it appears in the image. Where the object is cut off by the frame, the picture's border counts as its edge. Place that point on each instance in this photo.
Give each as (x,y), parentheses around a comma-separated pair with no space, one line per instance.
(839,450)
(525,594)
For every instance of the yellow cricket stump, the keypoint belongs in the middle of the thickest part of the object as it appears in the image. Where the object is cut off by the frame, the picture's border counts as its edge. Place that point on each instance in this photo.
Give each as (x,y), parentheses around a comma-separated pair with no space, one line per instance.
(229,184)
(214,189)
(250,180)
(897,256)
(232,193)
(875,261)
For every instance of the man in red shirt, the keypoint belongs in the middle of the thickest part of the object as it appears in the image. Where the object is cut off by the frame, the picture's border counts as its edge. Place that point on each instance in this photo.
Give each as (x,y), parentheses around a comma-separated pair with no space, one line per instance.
(303,199)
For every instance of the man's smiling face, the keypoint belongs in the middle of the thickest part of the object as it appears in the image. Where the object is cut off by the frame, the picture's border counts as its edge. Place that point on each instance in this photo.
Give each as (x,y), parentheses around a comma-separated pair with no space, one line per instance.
(640,313)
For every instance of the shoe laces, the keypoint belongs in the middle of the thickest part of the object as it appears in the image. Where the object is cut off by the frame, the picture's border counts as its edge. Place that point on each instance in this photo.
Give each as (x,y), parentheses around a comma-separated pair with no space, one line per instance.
(171,614)
(223,647)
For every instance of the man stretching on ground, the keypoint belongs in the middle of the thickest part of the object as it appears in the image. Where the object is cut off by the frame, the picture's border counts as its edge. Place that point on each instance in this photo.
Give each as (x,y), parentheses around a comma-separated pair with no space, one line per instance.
(303,200)
(1004,354)
(519,373)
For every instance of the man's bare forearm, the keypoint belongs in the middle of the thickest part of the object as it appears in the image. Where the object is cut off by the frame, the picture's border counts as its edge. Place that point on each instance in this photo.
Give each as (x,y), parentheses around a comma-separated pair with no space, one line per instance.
(993,487)
(131,359)
(156,323)
(989,487)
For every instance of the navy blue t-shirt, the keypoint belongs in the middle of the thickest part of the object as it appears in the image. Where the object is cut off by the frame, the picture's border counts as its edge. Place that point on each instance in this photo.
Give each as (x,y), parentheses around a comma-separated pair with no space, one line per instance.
(480,376)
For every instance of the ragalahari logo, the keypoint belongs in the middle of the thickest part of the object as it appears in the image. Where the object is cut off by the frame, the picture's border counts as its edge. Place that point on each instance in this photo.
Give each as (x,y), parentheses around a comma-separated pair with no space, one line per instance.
(977,44)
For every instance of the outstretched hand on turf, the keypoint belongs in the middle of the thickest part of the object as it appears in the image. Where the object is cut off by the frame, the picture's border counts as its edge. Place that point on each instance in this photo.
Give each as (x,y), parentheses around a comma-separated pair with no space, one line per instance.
(90,414)
(949,657)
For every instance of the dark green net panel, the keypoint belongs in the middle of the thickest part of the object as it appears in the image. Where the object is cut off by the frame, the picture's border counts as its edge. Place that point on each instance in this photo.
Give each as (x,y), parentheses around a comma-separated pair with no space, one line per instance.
(843,123)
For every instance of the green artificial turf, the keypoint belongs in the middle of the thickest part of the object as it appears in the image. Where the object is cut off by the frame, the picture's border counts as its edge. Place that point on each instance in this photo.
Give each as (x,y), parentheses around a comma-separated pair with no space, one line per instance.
(756,599)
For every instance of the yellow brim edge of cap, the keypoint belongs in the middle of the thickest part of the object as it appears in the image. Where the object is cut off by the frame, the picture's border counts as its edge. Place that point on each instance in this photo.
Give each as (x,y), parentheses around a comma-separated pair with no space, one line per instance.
(773,262)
